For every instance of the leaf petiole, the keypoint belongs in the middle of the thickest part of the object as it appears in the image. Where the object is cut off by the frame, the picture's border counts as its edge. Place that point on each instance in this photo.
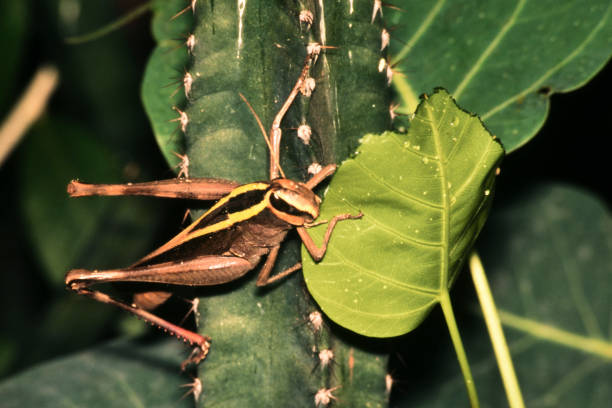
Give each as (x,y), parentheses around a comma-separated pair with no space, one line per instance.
(502,354)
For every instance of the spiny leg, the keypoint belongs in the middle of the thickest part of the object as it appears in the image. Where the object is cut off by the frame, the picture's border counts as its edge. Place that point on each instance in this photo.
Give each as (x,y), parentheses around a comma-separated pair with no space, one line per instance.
(201,271)
(202,343)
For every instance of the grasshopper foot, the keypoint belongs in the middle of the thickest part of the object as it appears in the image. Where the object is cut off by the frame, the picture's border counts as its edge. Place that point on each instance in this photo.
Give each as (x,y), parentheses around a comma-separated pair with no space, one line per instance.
(198,354)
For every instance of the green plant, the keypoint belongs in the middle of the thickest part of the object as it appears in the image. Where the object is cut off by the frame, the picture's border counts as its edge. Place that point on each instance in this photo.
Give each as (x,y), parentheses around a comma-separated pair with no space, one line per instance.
(493,65)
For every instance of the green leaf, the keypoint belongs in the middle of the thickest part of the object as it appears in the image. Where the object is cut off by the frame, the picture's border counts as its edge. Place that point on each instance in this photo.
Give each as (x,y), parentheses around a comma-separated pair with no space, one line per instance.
(425,196)
(120,374)
(547,253)
(501,60)
(162,82)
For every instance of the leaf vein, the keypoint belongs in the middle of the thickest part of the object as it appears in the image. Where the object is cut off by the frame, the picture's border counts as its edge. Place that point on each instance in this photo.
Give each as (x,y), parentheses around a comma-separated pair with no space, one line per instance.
(382,278)
(433,13)
(538,82)
(372,176)
(457,142)
(391,231)
(489,50)
(380,315)
(475,169)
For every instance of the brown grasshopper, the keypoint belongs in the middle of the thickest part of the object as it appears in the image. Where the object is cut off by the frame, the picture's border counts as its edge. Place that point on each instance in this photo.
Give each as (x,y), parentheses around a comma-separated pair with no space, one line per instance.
(247,222)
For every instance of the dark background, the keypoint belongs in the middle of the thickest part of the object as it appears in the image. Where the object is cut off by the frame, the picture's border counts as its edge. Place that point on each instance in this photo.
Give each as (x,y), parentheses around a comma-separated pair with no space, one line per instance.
(100,92)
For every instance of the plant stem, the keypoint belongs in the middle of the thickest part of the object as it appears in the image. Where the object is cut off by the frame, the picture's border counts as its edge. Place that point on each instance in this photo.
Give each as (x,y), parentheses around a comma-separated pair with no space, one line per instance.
(28,109)
(447,309)
(502,354)
(109,28)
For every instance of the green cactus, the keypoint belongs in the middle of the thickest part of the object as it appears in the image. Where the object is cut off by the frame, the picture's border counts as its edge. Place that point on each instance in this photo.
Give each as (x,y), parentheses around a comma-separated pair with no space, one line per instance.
(264,351)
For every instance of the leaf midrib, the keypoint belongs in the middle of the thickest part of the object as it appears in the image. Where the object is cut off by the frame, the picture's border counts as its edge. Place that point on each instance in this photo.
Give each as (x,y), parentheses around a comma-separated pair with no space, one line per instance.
(444,240)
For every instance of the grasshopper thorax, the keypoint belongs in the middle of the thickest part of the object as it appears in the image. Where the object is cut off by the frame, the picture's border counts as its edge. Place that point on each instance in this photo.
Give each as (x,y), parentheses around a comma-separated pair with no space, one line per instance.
(293,202)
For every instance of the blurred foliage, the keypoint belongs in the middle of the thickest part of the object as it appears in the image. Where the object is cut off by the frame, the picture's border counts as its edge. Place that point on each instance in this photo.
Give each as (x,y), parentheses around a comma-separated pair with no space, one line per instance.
(94,128)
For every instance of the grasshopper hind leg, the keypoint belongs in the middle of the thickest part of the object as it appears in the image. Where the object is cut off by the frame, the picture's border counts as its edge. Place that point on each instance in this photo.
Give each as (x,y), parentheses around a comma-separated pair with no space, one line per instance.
(201,271)
(201,343)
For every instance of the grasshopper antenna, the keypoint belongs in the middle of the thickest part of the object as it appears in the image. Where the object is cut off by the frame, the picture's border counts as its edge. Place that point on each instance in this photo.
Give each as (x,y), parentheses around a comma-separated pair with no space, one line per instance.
(273,158)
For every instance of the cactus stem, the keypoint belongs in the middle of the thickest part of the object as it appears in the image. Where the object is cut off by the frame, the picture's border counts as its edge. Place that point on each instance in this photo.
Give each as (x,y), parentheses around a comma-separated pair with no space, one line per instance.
(183,119)
(241,7)
(377,8)
(313,49)
(385,37)
(351,364)
(392,111)
(190,43)
(324,396)
(304,132)
(326,356)
(183,167)
(316,320)
(390,73)
(307,87)
(314,168)
(388,385)
(306,18)
(195,389)
(393,7)
(187,82)
(190,6)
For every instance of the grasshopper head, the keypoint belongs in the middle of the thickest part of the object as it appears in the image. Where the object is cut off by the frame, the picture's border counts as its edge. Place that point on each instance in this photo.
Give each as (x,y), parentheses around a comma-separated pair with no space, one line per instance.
(293,202)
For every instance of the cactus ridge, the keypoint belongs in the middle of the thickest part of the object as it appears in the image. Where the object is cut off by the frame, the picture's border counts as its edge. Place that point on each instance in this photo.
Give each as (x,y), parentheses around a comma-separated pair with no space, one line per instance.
(261,355)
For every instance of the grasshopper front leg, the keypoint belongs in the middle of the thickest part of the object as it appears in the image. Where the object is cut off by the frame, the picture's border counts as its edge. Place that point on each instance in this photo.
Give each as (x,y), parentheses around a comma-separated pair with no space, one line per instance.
(316,252)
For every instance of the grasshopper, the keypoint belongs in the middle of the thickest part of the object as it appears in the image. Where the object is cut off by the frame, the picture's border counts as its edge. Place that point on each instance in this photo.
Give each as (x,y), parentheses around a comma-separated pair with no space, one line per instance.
(247,223)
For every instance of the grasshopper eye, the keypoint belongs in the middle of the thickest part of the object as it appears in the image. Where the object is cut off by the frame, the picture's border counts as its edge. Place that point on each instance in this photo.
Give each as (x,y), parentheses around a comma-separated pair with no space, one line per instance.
(281,204)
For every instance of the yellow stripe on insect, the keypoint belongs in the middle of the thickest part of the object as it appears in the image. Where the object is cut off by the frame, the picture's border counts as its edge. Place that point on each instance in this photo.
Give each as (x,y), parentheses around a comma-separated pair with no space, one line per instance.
(188,233)
(232,218)
(235,192)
